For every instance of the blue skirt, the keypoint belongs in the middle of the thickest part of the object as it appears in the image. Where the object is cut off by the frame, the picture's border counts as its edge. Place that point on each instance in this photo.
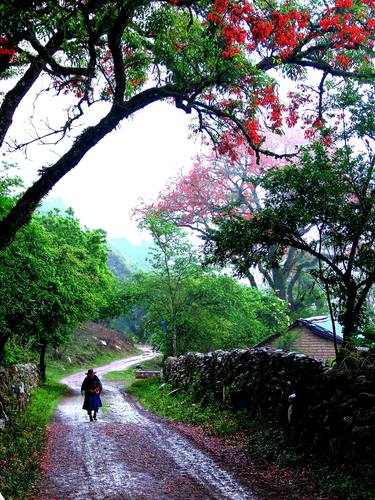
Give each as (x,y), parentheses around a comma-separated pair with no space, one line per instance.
(93,402)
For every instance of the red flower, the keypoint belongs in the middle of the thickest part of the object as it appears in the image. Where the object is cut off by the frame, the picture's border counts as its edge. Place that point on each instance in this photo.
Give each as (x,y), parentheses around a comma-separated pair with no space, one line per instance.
(344,4)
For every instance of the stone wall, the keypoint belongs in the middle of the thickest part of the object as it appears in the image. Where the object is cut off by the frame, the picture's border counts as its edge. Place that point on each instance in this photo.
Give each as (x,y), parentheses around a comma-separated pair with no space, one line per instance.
(16,385)
(330,410)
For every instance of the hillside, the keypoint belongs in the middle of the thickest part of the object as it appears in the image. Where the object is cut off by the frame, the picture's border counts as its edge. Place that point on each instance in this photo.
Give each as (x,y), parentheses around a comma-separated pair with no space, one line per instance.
(118,266)
(134,255)
(92,341)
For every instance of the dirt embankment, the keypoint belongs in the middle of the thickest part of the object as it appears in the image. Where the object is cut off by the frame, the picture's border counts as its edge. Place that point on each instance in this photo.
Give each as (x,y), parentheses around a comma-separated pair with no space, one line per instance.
(91,341)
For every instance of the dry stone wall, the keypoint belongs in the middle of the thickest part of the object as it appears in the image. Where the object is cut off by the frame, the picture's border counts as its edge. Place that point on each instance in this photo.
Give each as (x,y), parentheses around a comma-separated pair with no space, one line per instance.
(330,410)
(16,384)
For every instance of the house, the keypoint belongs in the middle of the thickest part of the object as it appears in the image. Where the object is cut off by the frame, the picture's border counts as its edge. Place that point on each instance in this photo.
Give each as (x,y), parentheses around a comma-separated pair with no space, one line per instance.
(310,336)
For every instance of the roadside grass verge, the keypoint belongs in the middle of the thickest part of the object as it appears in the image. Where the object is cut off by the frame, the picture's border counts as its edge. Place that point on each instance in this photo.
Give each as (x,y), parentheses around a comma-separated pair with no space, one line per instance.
(264,443)
(181,407)
(22,444)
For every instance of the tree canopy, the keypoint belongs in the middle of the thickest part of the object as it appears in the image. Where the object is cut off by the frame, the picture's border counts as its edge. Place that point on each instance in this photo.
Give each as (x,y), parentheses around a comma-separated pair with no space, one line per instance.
(187,307)
(332,192)
(217,185)
(54,275)
(214,59)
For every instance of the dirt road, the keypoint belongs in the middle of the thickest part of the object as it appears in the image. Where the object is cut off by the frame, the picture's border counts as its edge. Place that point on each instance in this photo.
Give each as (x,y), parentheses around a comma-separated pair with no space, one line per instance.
(127,454)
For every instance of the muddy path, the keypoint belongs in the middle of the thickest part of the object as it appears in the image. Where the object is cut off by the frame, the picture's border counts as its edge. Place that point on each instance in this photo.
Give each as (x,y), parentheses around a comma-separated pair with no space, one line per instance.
(128,453)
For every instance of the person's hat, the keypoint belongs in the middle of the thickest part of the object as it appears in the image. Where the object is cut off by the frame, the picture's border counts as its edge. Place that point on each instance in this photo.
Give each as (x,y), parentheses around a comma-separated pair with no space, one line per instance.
(90,372)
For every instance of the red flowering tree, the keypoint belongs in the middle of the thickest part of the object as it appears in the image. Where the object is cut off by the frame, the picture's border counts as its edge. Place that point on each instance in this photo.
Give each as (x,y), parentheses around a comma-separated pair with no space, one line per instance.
(211,58)
(220,184)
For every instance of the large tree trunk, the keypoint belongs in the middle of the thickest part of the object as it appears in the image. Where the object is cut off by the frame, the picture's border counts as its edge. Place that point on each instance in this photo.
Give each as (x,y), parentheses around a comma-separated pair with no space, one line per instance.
(250,277)
(14,97)
(24,208)
(350,318)
(279,280)
(174,341)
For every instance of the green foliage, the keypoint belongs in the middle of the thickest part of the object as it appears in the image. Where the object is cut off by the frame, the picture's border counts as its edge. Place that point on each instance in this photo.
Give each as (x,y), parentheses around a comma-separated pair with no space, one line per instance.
(134,255)
(270,443)
(54,276)
(353,359)
(174,262)
(355,481)
(333,193)
(216,313)
(22,445)
(18,353)
(310,298)
(188,308)
(182,407)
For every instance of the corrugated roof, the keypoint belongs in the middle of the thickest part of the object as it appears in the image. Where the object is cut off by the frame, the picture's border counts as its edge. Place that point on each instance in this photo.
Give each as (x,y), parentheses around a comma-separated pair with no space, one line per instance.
(321,326)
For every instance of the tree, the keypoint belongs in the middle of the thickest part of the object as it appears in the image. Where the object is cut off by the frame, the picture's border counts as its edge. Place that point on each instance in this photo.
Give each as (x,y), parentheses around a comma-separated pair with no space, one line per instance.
(174,262)
(54,276)
(209,57)
(216,313)
(187,307)
(220,313)
(334,192)
(218,184)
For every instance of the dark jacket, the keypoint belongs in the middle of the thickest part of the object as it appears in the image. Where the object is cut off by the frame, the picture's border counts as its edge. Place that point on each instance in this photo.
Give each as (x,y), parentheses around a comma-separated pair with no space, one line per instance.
(89,385)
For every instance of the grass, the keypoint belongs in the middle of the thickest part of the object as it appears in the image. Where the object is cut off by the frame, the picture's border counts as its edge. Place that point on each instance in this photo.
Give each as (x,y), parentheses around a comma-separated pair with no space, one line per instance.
(266,442)
(22,444)
(123,375)
(58,369)
(182,408)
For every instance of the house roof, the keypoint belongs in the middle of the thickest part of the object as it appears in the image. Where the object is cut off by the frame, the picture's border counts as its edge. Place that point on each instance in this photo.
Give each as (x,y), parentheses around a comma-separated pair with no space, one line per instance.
(319,325)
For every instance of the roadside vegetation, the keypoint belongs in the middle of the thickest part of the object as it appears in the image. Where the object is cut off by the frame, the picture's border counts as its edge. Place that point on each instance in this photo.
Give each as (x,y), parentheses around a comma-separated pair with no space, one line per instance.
(22,443)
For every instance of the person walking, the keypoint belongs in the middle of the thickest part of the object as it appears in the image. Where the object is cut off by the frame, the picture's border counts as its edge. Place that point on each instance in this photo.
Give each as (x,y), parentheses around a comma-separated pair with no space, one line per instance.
(91,389)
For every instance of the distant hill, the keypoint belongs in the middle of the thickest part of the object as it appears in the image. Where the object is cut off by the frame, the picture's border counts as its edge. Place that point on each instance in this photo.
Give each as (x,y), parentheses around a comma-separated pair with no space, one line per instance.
(118,266)
(134,255)
(49,204)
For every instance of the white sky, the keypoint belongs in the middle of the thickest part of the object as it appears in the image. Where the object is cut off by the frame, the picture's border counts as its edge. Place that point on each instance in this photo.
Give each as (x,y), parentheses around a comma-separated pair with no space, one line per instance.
(133,162)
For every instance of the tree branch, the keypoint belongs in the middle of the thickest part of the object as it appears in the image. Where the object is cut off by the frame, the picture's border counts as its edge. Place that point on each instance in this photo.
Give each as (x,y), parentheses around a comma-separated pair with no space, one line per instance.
(21,213)
(18,92)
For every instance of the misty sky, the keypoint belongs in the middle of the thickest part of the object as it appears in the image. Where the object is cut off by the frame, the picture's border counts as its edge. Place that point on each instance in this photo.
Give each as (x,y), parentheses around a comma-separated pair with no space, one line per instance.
(133,162)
